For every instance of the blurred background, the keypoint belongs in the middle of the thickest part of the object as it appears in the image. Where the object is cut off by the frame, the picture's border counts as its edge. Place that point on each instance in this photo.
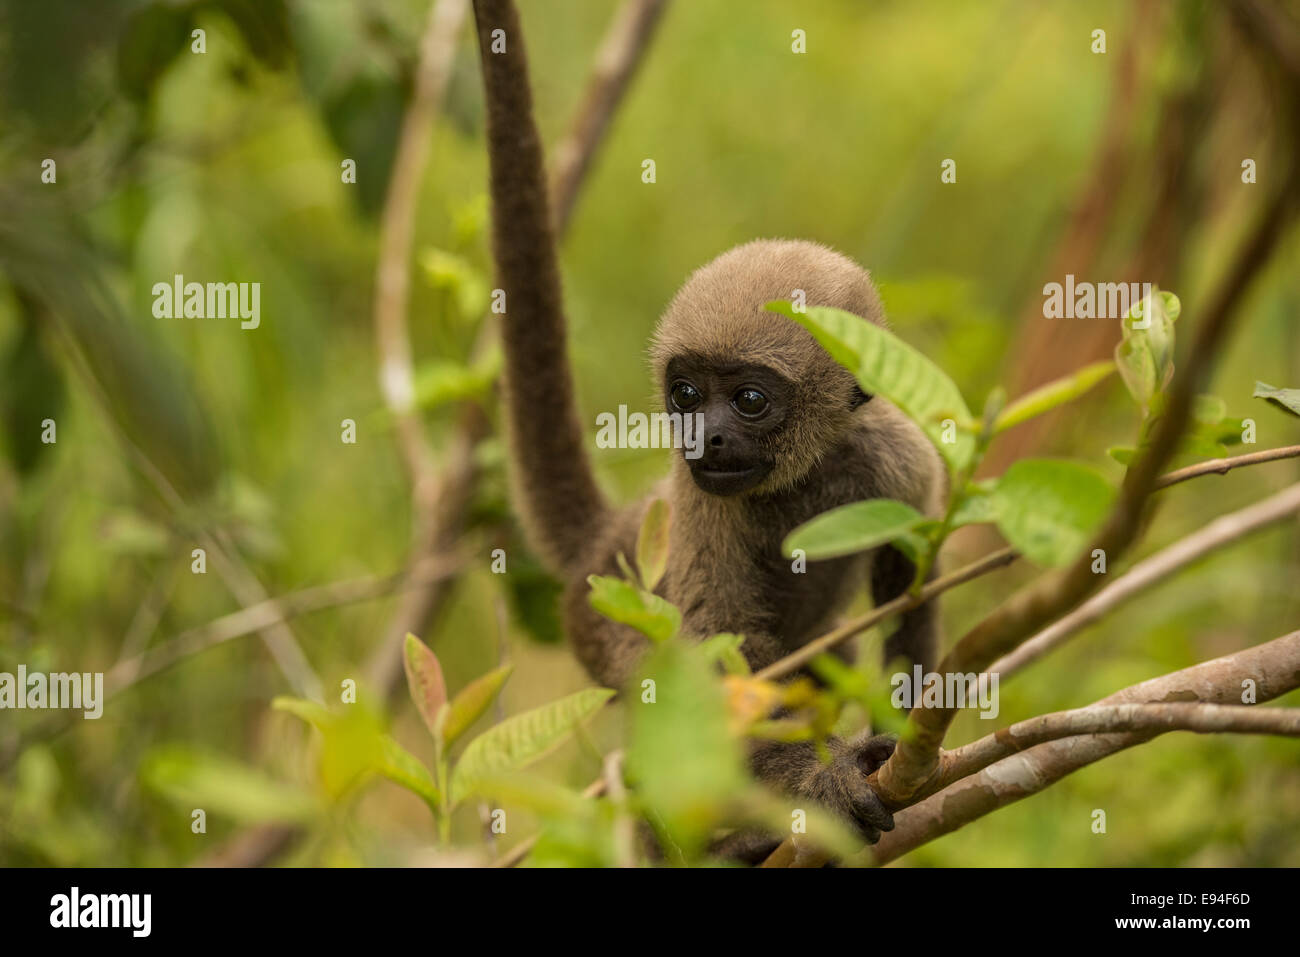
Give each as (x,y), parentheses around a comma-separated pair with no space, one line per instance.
(228,166)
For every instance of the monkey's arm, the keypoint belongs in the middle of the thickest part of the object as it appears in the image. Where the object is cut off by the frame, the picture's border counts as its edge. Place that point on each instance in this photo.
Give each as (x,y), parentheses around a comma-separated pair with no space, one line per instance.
(562,508)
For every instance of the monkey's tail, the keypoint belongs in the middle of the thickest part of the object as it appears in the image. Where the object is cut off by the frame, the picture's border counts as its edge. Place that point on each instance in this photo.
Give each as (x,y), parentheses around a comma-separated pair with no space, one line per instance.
(563,509)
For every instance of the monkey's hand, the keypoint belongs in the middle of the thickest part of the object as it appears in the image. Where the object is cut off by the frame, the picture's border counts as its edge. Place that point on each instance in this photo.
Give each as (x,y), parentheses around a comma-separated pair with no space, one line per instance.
(840,786)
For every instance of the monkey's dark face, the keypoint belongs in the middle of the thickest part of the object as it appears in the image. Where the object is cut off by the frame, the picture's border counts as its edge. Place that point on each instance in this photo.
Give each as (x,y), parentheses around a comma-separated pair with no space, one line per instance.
(743,408)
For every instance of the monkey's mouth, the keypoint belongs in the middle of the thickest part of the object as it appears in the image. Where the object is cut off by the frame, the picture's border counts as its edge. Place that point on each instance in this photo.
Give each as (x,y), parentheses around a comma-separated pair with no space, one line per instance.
(728,481)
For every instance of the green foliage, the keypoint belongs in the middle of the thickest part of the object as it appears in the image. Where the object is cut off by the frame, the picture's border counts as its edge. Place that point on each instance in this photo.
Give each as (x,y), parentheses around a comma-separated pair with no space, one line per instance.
(1288,400)
(440,381)
(684,761)
(1049,509)
(471,702)
(1048,397)
(851,528)
(193,779)
(515,742)
(628,604)
(885,365)
(1145,353)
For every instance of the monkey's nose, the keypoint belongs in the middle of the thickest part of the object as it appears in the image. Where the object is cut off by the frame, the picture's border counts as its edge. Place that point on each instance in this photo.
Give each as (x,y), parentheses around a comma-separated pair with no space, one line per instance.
(715,440)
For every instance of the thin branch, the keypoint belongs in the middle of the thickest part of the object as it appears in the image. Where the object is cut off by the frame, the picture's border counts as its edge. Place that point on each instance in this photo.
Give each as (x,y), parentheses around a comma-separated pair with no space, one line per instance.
(806,653)
(1110,718)
(1226,465)
(392,335)
(236,575)
(1219,533)
(616,61)
(624,828)
(269,612)
(801,656)
(131,670)
(1269,670)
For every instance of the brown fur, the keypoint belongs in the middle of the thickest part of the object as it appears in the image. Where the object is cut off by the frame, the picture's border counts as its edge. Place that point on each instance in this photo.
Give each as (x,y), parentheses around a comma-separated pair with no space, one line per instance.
(726,571)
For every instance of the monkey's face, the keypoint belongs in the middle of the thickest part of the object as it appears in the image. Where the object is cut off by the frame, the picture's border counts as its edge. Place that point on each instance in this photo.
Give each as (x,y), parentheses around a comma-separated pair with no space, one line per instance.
(742,409)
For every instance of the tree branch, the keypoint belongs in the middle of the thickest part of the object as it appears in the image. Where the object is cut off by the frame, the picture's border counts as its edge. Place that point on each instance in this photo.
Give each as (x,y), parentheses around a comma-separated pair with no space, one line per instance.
(429,489)
(1271,669)
(1223,531)
(616,61)
(1226,465)
(1110,718)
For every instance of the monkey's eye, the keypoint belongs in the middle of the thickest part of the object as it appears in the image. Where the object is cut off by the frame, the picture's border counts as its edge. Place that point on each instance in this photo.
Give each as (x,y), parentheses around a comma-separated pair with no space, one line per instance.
(685,396)
(750,403)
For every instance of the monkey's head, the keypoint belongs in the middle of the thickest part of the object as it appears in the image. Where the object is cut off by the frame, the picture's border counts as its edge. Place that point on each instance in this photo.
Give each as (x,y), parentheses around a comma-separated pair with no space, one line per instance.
(773,400)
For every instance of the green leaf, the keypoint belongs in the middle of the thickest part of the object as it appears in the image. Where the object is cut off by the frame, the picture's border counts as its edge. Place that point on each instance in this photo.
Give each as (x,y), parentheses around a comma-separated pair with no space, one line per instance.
(314,714)
(403,768)
(536,793)
(685,764)
(885,365)
(515,742)
(1049,508)
(1209,409)
(1287,400)
(724,648)
(652,544)
(354,747)
(470,703)
(852,528)
(1123,454)
(1053,394)
(623,602)
(439,381)
(192,779)
(976,506)
(459,278)
(425,681)
(1137,369)
(1145,354)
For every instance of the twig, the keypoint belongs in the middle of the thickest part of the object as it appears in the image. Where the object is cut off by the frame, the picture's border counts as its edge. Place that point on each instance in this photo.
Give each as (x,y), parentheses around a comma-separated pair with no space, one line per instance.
(624,831)
(1110,718)
(1222,531)
(806,653)
(617,59)
(269,612)
(238,578)
(392,337)
(131,670)
(1226,465)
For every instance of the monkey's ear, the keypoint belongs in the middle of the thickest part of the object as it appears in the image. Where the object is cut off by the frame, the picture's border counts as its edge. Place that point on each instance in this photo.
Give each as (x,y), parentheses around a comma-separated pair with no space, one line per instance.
(859,398)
